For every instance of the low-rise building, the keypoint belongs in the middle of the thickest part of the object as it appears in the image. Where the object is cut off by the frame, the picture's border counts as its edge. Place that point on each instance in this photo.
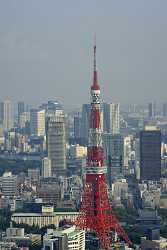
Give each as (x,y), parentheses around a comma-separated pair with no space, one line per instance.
(160,244)
(44,218)
(68,237)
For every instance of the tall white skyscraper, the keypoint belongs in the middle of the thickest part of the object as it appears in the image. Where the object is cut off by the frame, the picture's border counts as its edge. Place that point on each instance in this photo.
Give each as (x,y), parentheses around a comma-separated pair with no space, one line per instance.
(111,118)
(56,138)
(114,119)
(37,122)
(46,167)
(7,115)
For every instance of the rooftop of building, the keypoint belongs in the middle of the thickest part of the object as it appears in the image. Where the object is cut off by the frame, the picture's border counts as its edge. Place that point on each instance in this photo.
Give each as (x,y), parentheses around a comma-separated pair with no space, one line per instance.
(70,231)
(43,214)
(161,240)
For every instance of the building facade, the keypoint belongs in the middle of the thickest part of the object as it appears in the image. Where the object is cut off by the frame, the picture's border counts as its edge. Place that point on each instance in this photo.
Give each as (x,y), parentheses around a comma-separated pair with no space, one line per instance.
(7,115)
(20,109)
(113,145)
(68,238)
(86,108)
(43,219)
(9,184)
(151,109)
(37,122)
(46,167)
(164,109)
(77,128)
(150,154)
(111,118)
(56,138)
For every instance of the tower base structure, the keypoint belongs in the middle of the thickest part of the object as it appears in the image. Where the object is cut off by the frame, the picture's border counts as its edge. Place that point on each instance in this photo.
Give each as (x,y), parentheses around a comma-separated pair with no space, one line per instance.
(96,212)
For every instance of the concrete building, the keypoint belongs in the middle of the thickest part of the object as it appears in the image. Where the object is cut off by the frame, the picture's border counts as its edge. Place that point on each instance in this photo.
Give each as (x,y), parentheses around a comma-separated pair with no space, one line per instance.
(1,113)
(120,189)
(127,150)
(50,192)
(151,109)
(7,115)
(69,237)
(22,240)
(56,143)
(23,119)
(20,109)
(148,218)
(114,119)
(150,154)
(12,232)
(58,242)
(86,108)
(164,109)
(158,244)
(9,184)
(77,151)
(77,127)
(8,245)
(34,174)
(113,145)
(44,218)
(137,158)
(46,167)
(151,198)
(111,118)
(37,122)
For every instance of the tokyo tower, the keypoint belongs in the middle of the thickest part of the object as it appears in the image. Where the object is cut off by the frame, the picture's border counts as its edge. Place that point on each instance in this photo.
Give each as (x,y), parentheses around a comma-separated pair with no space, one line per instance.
(96,212)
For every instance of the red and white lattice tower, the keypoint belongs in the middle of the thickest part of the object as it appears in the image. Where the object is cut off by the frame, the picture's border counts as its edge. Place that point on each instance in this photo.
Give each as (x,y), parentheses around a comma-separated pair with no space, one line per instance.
(96,212)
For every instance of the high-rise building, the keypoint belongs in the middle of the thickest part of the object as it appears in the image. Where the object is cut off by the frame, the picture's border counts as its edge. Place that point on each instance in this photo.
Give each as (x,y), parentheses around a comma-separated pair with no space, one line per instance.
(56,138)
(77,127)
(7,115)
(24,118)
(1,113)
(37,122)
(137,158)
(151,109)
(114,118)
(164,109)
(46,167)
(150,154)
(106,117)
(21,109)
(111,118)
(113,145)
(86,108)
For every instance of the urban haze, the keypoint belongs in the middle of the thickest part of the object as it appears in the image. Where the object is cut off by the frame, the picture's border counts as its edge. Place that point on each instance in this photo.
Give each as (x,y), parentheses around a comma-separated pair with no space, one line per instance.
(45,49)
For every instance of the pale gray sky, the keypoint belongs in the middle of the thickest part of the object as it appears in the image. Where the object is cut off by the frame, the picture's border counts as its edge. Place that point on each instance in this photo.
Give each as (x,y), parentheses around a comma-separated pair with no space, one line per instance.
(46,50)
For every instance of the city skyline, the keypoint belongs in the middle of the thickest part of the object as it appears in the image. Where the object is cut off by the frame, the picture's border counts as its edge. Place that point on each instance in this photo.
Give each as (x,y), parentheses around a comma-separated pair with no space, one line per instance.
(46,49)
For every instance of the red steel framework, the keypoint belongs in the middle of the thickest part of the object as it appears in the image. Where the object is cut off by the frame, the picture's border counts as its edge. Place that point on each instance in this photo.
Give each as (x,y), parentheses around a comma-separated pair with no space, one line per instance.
(96,211)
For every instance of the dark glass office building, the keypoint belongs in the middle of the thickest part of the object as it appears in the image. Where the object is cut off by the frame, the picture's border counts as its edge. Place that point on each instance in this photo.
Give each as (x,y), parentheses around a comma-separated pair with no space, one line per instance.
(150,155)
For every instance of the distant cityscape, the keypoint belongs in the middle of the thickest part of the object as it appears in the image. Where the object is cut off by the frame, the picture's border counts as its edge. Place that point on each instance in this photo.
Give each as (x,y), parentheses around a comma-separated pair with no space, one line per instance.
(43,153)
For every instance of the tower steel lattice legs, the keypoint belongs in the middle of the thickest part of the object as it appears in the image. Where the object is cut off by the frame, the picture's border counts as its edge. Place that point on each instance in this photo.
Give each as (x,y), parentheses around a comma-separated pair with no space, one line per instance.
(96,215)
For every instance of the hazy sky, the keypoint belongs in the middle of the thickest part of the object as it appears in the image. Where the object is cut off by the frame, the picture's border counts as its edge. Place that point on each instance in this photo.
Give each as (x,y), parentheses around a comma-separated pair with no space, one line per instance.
(46,50)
